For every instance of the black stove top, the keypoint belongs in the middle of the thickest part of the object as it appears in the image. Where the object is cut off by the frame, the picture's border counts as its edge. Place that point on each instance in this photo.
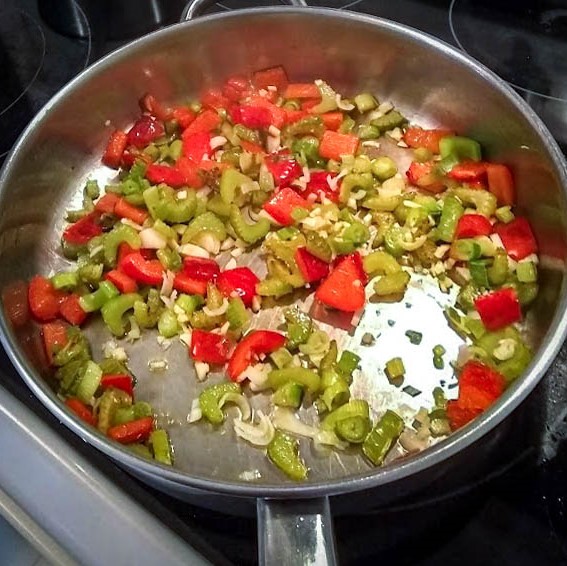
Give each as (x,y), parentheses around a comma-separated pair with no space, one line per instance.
(512,512)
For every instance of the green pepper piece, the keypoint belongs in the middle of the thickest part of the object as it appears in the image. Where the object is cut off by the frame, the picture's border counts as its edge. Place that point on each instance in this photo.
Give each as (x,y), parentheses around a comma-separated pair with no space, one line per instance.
(365,102)
(76,348)
(231,180)
(353,429)
(189,303)
(250,233)
(69,375)
(287,233)
(395,368)
(319,247)
(368,132)
(204,226)
(460,148)
(272,287)
(140,450)
(303,376)
(283,451)
(161,446)
(354,408)
(342,247)
(479,273)
(297,334)
(450,214)
(247,134)
(66,280)
(330,357)
(348,362)
(90,382)
(210,397)
(96,300)
(498,271)
(382,437)
(113,312)
(307,150)
(236,314)
(203,321)
(393,238)
(109,402)
(310,125)
(119,234)
(147,313)
(167,324)
(347,126)
(526,272)
(136,411)
(389,121)
(170,259)
(290,394)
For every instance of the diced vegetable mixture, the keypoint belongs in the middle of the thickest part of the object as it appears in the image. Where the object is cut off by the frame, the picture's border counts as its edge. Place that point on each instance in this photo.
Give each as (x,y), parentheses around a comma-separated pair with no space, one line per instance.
(298,172)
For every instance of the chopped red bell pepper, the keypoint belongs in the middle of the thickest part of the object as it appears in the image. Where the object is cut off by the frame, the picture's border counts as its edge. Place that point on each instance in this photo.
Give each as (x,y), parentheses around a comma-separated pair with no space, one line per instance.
(206,121)
(121,381)
(284,168)
(84,230)
(302,90)
(209,347)
(318,185)
(469,172)
(106,203)
(44,299)
(197,146)
(344,287)
(70,309)
(334,144)
(200,268)
(254,117)
(16,304)
(183,116)
(356,259)
(115,148)
(256,343)
(144,131)
(277,114)
(190,172)
(171,176)
(146,271)
(517,237)
(459,416)
(312,268)
(501,183)
(133,431)
(214,98)
(429,139)
(292,116)
(307,105)
(54,338)
(123,209)
(499,308)
(332,120)
(149,103)
(121,281)
(124,250)
(251,147)
(84,412)
(132,154)
(235,87)
(274,76)
(423,175)
(479,386)
(471,225)
(240,281)
(283,203)
(190,285)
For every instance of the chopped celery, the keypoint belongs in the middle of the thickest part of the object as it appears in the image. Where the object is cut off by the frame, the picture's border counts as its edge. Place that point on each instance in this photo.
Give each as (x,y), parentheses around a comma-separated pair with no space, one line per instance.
(348,362)
(395,368)
(353,429)
(167,324)
(190,303)
(303,376)
(450,214)
(250,233)
(236,314)
(382,437)
(113,312)
(66,280)
(394,283)
(526,272)
(383,168)
(204,225)
(161,447)
(319,247)
(354,408)
(380,263)
(281,357)
(504,214)
(210,397)
(336,394)
(365,102)
(389,121)
(96,300)
(90,382)
(290,394)
(272,287)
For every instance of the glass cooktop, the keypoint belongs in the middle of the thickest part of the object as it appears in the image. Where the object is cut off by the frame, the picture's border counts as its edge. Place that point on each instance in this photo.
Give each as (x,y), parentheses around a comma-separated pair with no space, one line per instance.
(511,511)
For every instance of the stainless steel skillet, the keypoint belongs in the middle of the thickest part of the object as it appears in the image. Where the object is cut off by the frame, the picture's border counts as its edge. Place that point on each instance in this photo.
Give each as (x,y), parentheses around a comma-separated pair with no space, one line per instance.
(429,81)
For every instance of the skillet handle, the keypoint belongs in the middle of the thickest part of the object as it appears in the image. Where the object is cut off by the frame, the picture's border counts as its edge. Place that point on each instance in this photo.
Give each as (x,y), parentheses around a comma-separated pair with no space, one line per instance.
(195,7)
(295,532)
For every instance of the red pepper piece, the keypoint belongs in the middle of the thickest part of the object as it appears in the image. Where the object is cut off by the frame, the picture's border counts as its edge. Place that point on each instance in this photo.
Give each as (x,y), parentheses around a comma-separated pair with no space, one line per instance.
(206,121)
(84,230)
(283,203)
(471,225)
(344,288)
(517,237)
(309,104)
(459,416)
(302,90)
(84,412)
(479,386)
(277,114)
(423,175)
(183,116)
(189,172)
(149,103)
(469,172)
(234,87)
(274,76)
(171,176)
(197,146)
(54,338)
(70,309)
(200,268)
(124,250)
(15,301)
(209,347)
(43,299)
(214,98)
(332,120)
(501,183)
(292,116)
(429,139)
(356,259)
(120,381)
(312,268)
(241,281)
(190,285)
(123,209)
(134,431)
(146,271)
(121,281)
(144,131)
(499,308)
(318,185)
(284,168)
(256,343)
(115,148)
(251,147)
(254,117)
(333,145)
(106,203)
(131,155)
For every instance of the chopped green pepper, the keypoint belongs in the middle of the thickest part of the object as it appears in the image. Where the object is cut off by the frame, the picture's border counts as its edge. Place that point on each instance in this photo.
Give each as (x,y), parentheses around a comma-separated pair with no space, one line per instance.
(161,447)
(450,214)
(283,451)
(290,394)
(460,148)
(236,314)
(382,437)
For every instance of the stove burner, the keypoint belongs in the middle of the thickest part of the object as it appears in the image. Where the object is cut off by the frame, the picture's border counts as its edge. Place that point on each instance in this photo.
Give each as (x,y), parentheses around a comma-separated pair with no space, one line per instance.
(523,42)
